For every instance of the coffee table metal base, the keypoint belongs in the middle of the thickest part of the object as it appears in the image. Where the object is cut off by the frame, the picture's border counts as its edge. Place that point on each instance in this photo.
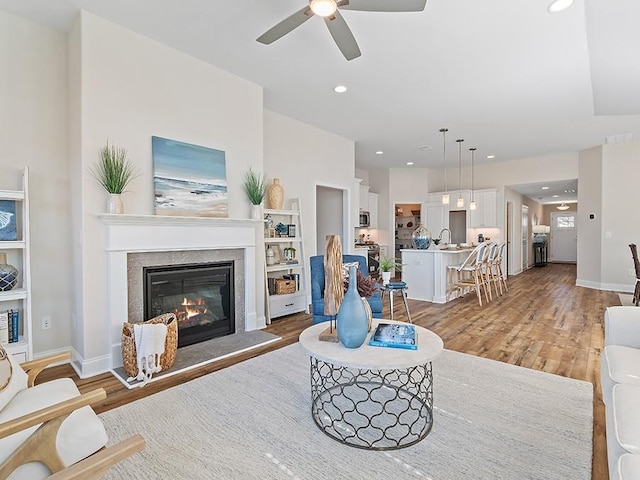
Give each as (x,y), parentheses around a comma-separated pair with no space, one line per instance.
(372,409)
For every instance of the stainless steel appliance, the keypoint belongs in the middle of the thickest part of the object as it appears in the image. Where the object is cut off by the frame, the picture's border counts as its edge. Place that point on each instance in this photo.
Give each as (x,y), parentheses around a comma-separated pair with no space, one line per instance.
(364,219)
(373,259)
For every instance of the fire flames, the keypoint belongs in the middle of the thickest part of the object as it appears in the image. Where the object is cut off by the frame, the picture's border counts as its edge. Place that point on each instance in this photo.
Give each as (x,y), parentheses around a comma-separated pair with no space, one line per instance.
(191,308)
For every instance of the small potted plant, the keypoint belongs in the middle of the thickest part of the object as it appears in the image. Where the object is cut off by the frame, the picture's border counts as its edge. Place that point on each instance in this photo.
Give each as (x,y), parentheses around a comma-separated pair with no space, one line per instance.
(113,171)
(256,190)
(387,265)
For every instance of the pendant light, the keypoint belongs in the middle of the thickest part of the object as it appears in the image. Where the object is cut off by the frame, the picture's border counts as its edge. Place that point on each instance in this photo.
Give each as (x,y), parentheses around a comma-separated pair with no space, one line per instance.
(472,205)
(445,195)
(563,206)
(460,202)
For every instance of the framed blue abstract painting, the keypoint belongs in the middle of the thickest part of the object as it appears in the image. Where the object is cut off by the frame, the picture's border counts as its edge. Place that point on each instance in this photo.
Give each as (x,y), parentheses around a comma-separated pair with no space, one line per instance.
(189,180)
(8,231)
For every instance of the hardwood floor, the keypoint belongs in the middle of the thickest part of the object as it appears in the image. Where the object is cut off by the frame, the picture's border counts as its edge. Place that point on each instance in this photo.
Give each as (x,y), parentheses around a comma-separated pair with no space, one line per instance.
(544,322)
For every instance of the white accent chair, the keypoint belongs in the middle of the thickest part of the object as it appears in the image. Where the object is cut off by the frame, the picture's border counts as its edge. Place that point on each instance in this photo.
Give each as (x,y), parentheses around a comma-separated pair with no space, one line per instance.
(620,379)
(50,428)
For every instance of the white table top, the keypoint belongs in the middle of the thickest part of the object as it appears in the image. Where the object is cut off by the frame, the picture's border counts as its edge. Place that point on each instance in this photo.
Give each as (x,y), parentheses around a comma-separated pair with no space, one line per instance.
(377,358)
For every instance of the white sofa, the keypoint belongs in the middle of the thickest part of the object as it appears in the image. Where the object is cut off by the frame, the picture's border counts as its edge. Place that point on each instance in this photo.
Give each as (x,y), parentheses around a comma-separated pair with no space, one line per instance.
(620,379)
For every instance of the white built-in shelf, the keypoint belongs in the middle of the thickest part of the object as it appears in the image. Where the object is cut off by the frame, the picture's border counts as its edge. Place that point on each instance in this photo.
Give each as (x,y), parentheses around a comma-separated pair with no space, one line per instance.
(283,266)
(269,211)
(282,239)
(13,294)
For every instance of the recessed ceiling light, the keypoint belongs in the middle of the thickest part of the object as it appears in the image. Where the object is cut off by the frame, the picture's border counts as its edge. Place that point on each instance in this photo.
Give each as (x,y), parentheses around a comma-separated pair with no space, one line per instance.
(491,156)
(379,152)
(555,196)
(339,89)
(559,5)
(409,163)
(545,188)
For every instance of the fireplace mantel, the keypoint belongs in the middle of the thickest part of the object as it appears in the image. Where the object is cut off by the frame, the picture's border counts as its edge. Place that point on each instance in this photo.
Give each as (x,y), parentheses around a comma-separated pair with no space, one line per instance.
(126,234)
(171,221)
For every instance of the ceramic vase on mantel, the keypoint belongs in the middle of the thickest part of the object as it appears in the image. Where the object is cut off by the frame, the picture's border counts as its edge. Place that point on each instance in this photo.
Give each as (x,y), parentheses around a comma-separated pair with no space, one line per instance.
(352,321)
(275,195)
(114,203)
(256,212)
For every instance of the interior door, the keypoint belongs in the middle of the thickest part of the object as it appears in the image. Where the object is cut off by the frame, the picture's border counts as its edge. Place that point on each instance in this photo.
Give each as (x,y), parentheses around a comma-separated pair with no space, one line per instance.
(564,237)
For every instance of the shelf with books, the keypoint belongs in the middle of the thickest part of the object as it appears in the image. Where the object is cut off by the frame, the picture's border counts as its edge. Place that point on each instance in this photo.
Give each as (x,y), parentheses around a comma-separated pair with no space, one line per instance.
(14,247)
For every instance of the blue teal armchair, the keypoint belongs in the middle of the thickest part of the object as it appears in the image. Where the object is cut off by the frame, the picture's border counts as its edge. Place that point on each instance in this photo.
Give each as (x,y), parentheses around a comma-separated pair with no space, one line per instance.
(317,287)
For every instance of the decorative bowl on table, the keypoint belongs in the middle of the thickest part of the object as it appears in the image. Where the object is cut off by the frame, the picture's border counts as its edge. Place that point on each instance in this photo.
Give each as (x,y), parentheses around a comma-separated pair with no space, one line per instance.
(465,245)
(452,246)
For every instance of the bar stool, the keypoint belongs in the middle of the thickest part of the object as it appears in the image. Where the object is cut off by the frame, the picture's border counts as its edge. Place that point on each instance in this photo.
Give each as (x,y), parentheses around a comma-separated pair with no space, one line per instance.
(391,288)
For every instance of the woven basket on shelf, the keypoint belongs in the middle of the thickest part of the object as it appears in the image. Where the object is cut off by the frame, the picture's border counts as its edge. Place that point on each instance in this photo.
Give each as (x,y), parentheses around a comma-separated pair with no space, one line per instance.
(129,358)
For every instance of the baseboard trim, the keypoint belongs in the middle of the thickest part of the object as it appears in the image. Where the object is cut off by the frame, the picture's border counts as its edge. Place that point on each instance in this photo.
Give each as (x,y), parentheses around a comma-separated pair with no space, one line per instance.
(92,367)
(610,287)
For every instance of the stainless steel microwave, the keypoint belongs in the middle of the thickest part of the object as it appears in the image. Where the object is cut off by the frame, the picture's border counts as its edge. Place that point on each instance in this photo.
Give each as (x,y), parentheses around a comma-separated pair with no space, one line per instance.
(364,219)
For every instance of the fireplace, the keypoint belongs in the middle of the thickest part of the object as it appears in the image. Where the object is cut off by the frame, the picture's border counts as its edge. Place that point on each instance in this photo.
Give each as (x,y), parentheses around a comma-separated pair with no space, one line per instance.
(201,296)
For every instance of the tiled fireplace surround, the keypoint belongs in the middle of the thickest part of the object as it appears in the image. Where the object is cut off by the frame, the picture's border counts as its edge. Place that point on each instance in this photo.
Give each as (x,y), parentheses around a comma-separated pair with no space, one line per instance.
(135,241)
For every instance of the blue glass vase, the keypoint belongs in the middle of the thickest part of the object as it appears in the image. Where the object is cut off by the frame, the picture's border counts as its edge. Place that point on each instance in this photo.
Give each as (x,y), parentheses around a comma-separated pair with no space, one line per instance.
(352,321)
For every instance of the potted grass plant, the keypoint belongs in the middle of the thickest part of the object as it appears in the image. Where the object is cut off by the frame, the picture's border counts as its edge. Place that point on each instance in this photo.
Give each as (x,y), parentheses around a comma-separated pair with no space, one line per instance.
(113,171)
(387,266)
(256,190)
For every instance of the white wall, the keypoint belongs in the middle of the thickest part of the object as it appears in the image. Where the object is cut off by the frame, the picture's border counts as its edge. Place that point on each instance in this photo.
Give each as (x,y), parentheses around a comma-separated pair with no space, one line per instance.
(620,225)
(33,123)
(561,166)
(590,237)
(304,157)
(132,87)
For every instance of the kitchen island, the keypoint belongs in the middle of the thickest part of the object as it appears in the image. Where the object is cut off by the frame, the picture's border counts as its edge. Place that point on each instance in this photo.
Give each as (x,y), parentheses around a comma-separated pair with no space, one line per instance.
(425,271)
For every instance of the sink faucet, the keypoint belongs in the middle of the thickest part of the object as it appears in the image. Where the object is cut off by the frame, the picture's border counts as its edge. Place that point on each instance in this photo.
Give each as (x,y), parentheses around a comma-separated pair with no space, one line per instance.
(445,230)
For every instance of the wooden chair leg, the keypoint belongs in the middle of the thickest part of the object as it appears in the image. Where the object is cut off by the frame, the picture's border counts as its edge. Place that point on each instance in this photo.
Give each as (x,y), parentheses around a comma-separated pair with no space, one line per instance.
(477,276)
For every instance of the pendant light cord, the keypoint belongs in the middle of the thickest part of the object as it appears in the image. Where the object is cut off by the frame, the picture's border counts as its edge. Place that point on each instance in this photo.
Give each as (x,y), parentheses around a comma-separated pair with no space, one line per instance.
(444,155)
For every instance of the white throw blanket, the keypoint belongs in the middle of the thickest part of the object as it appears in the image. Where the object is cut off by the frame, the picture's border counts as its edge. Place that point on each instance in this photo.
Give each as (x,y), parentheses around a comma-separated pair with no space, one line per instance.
(149,339)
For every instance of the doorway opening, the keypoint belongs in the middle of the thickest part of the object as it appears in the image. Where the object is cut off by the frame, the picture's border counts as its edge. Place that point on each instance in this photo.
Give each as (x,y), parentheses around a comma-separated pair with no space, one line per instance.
(332,203)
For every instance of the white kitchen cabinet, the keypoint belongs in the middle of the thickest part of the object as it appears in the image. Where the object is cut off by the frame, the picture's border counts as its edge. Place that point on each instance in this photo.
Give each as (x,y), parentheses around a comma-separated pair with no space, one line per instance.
(436,217)
(373,210)
(18,254)
(364,198)
(485,214)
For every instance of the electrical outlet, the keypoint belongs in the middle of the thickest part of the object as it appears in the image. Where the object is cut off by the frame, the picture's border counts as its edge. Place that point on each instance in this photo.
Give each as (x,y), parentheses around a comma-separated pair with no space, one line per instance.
(46,322)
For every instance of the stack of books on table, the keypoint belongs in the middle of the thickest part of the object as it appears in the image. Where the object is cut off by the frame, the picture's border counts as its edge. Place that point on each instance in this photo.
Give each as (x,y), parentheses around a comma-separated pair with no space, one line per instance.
(394,335)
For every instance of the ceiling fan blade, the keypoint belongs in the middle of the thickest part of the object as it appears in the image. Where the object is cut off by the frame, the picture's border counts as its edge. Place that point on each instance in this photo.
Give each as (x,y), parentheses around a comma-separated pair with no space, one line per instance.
(285,26)
(384,5)
(342,35)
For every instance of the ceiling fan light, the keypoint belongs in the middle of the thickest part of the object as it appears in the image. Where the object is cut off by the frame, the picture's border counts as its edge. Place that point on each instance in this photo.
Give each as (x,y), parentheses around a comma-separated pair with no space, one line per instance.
(323,8)
(563,206)
(559,5)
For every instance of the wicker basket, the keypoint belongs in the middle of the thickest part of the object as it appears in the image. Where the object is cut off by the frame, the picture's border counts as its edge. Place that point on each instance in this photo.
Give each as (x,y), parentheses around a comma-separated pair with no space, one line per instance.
(129,357)
(284,286)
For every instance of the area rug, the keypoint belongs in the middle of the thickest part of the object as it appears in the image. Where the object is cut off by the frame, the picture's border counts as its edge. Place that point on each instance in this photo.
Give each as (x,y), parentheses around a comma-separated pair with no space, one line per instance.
(252,421)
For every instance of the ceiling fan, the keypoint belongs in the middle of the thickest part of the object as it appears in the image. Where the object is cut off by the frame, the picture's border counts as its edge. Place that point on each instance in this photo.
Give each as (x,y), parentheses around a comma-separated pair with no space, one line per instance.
(328,9)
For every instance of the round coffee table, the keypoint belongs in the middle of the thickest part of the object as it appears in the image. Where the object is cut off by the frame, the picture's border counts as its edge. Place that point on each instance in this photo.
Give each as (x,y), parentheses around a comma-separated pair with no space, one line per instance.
(376,398)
